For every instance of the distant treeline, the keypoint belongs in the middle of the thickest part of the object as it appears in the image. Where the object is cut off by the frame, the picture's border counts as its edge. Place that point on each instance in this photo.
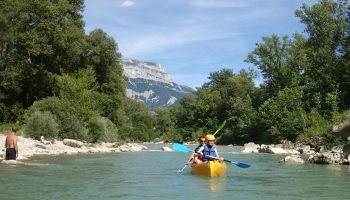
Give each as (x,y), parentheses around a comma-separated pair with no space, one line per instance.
(59,82)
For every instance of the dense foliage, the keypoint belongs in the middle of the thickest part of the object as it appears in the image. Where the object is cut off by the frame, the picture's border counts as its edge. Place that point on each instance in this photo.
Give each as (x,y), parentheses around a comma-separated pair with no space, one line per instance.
(305,86)
(62,83)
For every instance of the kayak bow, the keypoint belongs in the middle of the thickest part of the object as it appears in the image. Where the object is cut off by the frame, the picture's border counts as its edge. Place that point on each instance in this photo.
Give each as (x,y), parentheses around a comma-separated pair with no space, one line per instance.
(211,168)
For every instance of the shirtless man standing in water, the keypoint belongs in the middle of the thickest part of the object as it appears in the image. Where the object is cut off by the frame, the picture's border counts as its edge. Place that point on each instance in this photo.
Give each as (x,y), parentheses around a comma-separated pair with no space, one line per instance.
(11,145)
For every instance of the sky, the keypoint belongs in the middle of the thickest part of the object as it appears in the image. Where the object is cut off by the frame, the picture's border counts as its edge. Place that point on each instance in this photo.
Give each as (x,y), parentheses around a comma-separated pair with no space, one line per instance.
(192,38)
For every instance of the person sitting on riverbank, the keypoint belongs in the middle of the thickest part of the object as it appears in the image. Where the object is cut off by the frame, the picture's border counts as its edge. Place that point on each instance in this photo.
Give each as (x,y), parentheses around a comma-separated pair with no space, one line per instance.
(42,140)
(209,151)
(196,157)
(11,145)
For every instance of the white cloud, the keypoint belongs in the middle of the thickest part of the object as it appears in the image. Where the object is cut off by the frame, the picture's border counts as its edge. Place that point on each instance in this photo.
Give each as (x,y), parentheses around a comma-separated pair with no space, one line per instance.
(219,4)
(128,3)
(162,40)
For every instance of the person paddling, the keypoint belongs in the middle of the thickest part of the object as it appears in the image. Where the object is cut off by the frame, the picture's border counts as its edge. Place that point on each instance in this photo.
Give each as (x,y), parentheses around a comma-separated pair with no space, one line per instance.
(11,145)
(209,151)
(197,155)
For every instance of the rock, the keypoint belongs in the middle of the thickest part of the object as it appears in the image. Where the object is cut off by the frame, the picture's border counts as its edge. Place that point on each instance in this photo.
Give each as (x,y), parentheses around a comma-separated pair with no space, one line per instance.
(265,148)
(278,150)
(317,158)
(72,143)
(346,150)
(326,158)
(279,146)
(124,148)
(251,147)
(314,142)
(337,149)
(339,127)
(292,159)
(167,149)
(136,147)
(293,151)
(304,149)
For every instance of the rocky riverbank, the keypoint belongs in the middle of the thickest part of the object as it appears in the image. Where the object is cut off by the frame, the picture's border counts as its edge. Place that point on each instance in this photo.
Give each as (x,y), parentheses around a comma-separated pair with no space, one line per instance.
(337,155)
(28,147)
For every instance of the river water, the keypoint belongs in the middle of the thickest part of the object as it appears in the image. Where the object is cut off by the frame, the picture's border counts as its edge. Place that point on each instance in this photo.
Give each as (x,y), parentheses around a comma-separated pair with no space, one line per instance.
(153,175)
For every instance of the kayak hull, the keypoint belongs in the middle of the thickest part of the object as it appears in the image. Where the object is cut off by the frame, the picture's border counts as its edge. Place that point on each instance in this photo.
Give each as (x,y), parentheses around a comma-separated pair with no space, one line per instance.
(211,168)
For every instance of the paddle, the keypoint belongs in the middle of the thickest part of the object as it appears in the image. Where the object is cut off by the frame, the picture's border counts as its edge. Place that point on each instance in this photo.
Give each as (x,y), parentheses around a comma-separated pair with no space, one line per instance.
(181,170)
(184,149)
(220,127)
(238,164)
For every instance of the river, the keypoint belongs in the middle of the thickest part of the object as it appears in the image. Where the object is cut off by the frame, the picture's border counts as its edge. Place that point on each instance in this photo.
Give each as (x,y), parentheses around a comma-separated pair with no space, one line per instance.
(153,175)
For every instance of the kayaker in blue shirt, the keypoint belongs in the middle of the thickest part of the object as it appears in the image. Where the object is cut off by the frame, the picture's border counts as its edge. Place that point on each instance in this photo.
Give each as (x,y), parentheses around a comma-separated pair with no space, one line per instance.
(209,151)
(196,157)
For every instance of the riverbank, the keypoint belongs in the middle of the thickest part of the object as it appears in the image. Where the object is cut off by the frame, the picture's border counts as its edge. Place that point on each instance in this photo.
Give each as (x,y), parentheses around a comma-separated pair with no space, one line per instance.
(337,155)
(28,147)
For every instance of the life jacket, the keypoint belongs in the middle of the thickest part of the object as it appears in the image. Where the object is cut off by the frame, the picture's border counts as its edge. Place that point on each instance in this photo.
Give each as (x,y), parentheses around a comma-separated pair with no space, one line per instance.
(197,148)
(208,151)
(197,151)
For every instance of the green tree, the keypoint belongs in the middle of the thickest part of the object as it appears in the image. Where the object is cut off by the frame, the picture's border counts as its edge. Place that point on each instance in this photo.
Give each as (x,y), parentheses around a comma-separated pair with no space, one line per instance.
(324,72)
(283,116)
(103,55)
(279,62)
(165,125)
(37,39)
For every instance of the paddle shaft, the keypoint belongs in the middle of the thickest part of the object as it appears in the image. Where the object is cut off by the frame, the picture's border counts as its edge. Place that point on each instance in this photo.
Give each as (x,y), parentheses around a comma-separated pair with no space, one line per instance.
(238,164)
(220,127)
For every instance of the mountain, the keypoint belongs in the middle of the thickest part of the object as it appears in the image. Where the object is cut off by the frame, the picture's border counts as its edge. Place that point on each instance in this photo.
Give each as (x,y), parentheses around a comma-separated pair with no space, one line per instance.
(148,82)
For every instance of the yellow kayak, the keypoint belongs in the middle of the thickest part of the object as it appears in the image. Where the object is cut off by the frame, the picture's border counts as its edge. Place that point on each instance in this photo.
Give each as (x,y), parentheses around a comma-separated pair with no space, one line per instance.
(211,168)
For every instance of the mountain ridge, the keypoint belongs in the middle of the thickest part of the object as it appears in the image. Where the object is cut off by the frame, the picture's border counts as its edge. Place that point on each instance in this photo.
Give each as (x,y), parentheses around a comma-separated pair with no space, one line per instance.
(149,83)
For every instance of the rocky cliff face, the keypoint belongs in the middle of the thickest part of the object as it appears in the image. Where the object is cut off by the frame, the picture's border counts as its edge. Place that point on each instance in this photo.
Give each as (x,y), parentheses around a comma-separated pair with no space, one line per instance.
(148,82)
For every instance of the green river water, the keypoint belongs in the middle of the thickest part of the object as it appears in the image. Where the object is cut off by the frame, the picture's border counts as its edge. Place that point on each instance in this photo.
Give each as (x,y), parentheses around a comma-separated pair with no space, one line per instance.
(152,175)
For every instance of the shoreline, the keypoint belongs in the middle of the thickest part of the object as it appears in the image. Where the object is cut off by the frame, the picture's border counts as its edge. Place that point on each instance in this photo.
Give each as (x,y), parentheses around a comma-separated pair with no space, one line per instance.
(28,147)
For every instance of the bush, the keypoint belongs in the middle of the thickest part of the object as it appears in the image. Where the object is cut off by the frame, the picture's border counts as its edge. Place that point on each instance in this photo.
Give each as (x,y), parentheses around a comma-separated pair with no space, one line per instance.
(283,116)
(41,123)
(101,129)
(70,125)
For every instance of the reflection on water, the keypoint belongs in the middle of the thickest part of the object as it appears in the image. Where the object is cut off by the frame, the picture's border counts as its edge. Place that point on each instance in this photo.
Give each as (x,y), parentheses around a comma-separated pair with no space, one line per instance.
(216,183)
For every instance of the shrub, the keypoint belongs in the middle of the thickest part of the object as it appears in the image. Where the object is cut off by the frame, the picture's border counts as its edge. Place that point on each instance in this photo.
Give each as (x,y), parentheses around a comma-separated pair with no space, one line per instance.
(101,129)
(41,123)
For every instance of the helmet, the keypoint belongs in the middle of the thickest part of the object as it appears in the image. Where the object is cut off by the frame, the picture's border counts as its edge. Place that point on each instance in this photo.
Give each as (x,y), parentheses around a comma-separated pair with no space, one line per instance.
(209,137)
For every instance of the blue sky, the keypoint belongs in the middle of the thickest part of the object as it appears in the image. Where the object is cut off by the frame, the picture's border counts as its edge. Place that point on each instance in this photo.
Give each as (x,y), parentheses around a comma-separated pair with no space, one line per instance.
(191,38)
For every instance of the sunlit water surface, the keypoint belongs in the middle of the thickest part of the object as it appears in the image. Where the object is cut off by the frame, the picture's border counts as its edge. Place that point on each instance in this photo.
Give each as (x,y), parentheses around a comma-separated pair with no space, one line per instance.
(153,175)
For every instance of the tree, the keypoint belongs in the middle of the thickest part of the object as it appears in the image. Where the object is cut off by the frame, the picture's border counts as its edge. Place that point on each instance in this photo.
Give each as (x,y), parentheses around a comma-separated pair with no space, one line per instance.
(283,116)
(102,55)
(278,61)
(324,72)
(37,39)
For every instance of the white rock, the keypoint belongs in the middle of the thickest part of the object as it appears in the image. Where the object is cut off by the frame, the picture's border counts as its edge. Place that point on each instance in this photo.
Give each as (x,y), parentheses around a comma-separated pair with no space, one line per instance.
(293,159)
(278,150)
(251,147)
(72,143)
(337,149)
(167,149)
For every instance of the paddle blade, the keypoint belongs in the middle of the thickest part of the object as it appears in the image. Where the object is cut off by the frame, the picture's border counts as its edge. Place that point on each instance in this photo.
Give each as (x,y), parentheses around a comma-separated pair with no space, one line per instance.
(238,164)
(181,148)
(241,165)
(220,127)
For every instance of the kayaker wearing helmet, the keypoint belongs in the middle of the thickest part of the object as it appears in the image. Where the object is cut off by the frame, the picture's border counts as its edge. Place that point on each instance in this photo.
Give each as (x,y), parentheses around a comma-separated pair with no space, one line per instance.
(197,155)
(210,149)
